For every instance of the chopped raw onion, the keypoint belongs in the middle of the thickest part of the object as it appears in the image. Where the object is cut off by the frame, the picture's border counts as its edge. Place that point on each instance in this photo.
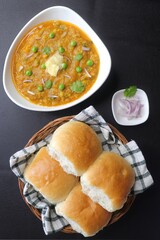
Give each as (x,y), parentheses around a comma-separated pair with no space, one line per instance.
(130,108)
(20,68)
(85,48)
(30,55)
(88,74)
(28,81)
(30,33)
(38,38)
(67,58)
(67,76)
(63,34)
(43,81)
(30,92)
(53,96)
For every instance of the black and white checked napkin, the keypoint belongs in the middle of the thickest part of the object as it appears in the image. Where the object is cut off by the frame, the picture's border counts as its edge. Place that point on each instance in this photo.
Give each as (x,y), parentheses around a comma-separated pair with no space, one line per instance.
(130,151)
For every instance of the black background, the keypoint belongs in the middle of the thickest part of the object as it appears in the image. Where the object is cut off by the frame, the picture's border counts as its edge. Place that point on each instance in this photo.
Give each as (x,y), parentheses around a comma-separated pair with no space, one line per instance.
(131,32)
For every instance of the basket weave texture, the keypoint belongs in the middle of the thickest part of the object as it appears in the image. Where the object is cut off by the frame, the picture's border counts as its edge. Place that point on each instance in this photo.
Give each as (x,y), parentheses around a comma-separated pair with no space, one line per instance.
(44,132)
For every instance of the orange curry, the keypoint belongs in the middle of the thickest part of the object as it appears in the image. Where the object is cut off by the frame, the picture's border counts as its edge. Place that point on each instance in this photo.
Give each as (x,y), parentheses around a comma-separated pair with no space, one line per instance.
(54,64)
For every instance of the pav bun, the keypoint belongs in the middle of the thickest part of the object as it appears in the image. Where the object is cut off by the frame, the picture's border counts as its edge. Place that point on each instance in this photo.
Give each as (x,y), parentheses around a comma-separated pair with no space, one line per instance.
(109,181)
(76,146)
(84,215)
(47,176)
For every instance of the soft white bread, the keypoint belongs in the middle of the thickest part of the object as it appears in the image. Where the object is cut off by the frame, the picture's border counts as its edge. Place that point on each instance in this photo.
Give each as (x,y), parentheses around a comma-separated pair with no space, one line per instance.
(109,181)
(76,146)
(84,215)
(47,176)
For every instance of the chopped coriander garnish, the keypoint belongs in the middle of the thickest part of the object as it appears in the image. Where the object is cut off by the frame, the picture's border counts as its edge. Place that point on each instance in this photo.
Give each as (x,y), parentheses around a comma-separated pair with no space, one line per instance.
(77,86)
(78,57)
(48,84)
(46,50)
(130,92)
(43,66)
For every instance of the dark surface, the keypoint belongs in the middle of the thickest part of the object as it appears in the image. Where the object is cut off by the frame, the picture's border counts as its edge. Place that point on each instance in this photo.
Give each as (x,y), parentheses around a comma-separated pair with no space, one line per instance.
(131,32)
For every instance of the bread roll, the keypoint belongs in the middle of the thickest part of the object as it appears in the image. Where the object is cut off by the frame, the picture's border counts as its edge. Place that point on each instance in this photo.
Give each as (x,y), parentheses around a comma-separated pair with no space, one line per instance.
(84,215)
(76,146)
(109,181)
(47,176)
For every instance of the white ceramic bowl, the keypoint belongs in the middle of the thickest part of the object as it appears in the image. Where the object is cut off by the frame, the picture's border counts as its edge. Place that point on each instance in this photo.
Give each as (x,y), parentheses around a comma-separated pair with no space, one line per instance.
(123,120)
(65,14)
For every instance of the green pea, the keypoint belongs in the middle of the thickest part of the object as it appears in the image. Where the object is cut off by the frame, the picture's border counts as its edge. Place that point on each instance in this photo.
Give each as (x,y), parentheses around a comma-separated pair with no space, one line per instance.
(78,69)
(61,87)
(73,43)
(43,66)
(34,49)
(64,65)
(48,84)
(40,88)
(28,73)
(52,35)
(61,49)
(78,57)
(89,63)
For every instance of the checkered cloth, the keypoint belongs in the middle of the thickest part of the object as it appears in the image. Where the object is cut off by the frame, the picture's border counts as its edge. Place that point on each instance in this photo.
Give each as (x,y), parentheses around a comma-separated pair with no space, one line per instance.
(130,151)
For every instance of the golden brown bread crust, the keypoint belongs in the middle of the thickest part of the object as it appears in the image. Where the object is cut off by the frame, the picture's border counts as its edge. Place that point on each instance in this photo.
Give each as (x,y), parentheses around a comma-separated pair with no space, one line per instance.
(113,175)
(78,143)
(48,177)
(90,216)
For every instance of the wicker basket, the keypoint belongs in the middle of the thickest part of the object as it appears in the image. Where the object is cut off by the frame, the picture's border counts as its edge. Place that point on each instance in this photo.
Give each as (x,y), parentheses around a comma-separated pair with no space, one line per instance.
(50,128)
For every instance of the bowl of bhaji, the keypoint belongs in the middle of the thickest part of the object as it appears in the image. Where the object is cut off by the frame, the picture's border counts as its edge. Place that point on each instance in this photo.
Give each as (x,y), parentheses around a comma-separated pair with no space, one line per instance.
(55,62)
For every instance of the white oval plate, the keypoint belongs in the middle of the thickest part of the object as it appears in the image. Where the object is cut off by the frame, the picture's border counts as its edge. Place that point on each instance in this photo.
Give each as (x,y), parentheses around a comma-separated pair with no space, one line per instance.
(124,120)
(65,14)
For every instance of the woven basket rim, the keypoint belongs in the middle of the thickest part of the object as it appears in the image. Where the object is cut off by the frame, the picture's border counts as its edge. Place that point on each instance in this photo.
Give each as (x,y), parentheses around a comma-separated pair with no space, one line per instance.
(44,132)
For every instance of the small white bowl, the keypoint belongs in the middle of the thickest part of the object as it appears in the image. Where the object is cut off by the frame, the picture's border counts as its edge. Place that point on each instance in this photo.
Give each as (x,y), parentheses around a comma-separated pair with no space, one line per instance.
(65,14)
(140,94)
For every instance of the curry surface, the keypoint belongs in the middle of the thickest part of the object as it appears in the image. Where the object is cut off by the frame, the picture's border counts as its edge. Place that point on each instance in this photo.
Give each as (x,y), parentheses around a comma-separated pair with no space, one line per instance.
(29,71)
